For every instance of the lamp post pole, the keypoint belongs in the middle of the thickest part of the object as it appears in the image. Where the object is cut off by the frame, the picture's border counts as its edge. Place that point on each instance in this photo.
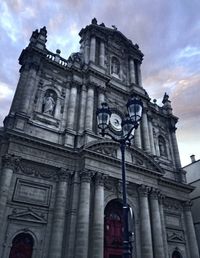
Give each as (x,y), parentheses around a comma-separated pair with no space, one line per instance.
(126,243)
(129,123)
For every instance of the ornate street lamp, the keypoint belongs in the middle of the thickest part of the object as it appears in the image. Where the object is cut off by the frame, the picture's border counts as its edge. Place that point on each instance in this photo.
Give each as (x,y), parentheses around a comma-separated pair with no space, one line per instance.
(129,123)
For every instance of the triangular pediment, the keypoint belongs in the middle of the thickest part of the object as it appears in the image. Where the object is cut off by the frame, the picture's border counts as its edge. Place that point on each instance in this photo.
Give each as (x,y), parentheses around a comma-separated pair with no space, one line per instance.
(134,155)
(175,237)
(28,215)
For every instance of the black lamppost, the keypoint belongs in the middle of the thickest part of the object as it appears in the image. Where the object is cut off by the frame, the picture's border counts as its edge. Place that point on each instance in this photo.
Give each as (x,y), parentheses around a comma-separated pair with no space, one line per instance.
(129,123)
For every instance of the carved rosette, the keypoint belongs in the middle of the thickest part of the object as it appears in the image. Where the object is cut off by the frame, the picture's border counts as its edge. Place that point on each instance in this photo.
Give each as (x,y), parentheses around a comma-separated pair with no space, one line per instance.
(100,179)
(187,205)
(86,176)
(10,161)
(63,175)
(143,190)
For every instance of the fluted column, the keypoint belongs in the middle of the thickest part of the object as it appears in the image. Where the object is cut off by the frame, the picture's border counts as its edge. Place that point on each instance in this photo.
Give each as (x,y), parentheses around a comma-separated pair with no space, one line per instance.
(151,138)
(137,137)
(145,132)
(164,234)
(89,108)
(175,147)
(82,109)
(72,107)
(73,217)
(59,214)
(192,242)
(92,48)
(98,219)
(9,162)
(102,54)
(132,71)
(145,226)
(83,219)
(156,225)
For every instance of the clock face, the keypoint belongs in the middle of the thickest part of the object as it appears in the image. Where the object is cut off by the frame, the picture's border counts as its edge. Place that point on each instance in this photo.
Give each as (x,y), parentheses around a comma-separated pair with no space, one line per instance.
(115,121)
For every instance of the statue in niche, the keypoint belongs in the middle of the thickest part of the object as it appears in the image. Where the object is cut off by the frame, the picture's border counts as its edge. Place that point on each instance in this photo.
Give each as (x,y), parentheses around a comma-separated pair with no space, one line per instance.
(115,67)
(162,147)
(49,104)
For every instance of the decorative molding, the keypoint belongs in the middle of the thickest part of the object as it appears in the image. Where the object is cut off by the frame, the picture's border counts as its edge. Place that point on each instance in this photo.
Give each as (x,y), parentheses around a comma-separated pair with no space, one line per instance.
(86,176)
(63,175)
(10,161)
(28,215)
(176,236)
(32,193)
(187,205)
(154,193)
(143,190)
(100,179)
(172,204)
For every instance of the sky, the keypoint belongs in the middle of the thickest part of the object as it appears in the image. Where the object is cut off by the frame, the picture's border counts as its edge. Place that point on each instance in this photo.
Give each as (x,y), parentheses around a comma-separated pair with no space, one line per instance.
(167,31)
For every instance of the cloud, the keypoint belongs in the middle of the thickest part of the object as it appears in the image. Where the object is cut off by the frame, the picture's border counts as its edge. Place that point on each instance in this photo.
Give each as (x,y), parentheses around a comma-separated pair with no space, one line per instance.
(166,31)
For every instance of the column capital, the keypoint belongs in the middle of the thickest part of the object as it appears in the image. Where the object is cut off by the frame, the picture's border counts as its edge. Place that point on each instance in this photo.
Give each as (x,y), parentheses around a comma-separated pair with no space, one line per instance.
(100,179)
(10,161)
(187,205)
(161,198)
(86,175)
(63,175)
(143,190)
(154,193)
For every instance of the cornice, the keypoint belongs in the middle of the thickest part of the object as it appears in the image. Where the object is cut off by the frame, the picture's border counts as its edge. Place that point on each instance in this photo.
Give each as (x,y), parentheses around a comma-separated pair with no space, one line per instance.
(175,185)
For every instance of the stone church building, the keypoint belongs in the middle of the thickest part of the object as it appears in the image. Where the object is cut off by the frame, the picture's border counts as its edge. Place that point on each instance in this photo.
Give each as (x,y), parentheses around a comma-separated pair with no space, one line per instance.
(61,187)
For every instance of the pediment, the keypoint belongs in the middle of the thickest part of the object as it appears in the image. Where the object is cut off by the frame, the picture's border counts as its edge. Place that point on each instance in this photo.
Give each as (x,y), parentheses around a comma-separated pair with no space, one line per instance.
(175,237)
(27,215)
(134,155)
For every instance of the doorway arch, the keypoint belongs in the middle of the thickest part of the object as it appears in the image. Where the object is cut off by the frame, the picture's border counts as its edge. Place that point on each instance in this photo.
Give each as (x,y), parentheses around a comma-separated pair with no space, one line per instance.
(176,254)
(113,229)
(22,246)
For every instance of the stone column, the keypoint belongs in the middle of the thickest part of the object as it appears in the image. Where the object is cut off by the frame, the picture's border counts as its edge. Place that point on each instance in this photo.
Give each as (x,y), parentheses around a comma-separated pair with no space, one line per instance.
(145,226)
(192,242)
(153,151)
(72,217)
(9,162)
(89,108)
(175,147)
(102,54)
(29,90)
(137,137)
(59,214)
(83,219)
(162,217)
(66,103)
(98,219)
(72,107)
(145,132)
(139,75)
(156,225)
(132,71)
(92,48)
(101,97)
(87,50)
(82,109)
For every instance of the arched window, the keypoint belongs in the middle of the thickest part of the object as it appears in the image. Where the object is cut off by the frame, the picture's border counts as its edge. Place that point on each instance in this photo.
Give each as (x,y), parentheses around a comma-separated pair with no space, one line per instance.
(162,146)
(22,246)
(49,103)
(176,254)
(113,230)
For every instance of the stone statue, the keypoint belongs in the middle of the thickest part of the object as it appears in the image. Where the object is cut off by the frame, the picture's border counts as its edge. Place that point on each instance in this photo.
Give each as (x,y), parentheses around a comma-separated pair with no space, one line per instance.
(115,66)
(49,104)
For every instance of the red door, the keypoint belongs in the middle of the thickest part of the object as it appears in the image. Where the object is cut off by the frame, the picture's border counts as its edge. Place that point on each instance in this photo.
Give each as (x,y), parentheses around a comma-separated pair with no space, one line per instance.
(113,230)
(22,246)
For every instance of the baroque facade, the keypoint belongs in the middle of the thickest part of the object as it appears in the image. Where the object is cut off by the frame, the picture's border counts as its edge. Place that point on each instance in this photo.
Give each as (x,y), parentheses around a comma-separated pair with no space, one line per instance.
(60,190)
(193,179)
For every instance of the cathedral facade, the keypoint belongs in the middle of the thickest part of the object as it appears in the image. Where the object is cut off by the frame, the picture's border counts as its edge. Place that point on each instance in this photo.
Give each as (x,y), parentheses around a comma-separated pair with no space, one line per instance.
(61,186)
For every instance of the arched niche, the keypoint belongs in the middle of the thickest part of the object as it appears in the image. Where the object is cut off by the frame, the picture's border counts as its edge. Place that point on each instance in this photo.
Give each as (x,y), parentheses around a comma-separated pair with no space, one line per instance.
(49,102)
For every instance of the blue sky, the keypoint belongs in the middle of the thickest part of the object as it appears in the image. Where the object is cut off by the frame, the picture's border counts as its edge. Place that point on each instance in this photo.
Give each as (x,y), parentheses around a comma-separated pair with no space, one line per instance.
(166,31)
